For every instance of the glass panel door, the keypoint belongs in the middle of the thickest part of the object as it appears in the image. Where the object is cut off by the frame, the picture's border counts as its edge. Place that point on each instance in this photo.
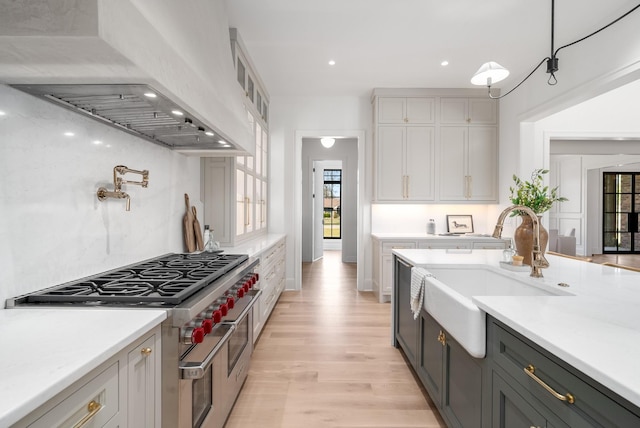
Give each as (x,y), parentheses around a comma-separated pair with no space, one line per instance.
(332,189)
(621,208)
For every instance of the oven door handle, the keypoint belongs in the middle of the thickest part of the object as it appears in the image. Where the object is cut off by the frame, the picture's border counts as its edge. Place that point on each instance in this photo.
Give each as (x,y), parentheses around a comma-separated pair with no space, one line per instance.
(245,311)
(194,370)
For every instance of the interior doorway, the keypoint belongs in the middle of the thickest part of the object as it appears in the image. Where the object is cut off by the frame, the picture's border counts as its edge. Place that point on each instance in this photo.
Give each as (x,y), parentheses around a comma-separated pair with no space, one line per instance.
(353,205)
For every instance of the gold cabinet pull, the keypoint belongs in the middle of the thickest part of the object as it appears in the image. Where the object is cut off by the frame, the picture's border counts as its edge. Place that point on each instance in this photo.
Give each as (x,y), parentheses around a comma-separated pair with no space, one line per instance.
(442,338)
(146,351)
(530,371)
(93,408)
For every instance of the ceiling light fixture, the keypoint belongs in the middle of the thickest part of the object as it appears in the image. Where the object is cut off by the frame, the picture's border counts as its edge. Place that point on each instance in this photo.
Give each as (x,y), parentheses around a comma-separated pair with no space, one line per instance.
(332,62)
(492,72)
(444,63)
(328,142)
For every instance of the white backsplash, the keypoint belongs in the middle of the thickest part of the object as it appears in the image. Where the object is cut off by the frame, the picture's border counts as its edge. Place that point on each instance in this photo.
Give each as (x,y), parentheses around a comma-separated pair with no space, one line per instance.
(53,227)
(413,218)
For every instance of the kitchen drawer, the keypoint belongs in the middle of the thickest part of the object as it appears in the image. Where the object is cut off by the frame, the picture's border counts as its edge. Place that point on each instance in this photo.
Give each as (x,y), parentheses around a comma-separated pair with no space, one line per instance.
(388,247)
(102,389)
(594,405)
(437,245)
(500,245)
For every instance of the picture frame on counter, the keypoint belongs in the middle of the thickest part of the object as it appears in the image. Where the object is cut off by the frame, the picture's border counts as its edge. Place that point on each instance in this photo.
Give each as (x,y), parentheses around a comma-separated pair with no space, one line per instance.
(459,224)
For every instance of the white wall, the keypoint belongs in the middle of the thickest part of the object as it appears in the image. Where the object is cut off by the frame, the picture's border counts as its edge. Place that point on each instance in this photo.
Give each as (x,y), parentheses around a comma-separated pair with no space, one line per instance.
(53,227)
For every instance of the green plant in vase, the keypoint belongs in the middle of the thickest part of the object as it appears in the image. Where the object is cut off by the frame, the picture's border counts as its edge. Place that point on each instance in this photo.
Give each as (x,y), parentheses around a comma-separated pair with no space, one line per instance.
(536,195)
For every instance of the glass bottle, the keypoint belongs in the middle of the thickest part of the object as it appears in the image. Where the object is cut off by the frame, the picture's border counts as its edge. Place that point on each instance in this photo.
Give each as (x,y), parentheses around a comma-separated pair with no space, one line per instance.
(208,239)
(508,253)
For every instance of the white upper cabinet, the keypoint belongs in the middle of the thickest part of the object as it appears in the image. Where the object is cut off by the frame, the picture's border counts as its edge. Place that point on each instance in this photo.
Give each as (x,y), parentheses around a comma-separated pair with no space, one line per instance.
(435,145)
(405,163)
(236,189)
(409,111)
(469,163)
(468,111)
(252,90)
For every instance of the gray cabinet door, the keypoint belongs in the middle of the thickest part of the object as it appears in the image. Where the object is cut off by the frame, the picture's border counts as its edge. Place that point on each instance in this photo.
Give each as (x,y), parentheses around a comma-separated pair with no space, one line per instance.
(430,359)
(510,409)
(462,402)
(406,327)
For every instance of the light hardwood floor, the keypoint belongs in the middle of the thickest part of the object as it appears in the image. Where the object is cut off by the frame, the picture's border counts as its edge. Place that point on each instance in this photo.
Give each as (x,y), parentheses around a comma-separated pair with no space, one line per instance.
(325,359)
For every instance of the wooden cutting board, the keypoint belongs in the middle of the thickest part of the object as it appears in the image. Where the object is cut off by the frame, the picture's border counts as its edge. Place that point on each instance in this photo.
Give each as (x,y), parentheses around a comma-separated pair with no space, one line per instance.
(197,231)
(189,236)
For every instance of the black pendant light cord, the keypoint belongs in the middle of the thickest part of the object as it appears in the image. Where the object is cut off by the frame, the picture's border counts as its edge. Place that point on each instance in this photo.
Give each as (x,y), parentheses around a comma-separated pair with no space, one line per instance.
(552,62)
(596,32)
(521,82)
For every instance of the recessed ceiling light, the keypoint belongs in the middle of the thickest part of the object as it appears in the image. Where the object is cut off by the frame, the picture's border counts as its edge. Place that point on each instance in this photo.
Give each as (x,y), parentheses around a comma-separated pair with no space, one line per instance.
(209,133)
(177,112)
(444,63)
(150,95)
(69,134)
(222,142)
(97,142)
(332,62)
(2,113)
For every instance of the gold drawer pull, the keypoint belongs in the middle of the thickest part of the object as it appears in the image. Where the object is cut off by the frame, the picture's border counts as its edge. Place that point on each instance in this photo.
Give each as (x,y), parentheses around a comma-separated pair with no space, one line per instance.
(93,408)
(442,338)
(530,371)
(146,351)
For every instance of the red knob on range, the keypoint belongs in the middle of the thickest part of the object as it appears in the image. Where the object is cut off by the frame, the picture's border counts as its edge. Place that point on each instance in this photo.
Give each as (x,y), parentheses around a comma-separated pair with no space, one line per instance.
(231,302)
(224,309)
(217,316)
(197,336)
(246,286)
(240,293)
(256,277)
(207,325)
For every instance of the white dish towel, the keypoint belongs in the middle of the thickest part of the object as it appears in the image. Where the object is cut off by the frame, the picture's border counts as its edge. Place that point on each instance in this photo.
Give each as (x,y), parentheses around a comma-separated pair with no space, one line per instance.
(418,278)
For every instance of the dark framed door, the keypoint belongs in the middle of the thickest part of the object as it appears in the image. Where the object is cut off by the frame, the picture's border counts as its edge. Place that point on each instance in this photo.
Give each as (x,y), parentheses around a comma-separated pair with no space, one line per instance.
(332,194)
(621,208)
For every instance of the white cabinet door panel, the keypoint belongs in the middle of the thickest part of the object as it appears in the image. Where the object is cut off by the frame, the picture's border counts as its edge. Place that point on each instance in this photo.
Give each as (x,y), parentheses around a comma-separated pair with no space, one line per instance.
(390,163)
(420,163)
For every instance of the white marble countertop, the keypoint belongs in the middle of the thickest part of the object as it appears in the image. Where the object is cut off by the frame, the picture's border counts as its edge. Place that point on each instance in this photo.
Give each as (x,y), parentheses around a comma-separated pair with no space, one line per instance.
(44,351)
(420,236)
(254,247)
(597,330)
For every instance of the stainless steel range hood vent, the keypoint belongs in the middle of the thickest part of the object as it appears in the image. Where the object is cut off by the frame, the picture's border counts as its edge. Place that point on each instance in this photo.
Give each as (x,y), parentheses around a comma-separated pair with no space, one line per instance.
(137,109)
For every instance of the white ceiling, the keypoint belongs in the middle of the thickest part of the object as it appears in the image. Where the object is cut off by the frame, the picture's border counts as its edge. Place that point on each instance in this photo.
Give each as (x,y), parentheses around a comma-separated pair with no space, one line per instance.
(401,43)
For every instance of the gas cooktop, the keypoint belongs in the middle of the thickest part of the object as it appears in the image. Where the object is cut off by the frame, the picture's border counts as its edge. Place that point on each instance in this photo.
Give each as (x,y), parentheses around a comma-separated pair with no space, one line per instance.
(164,281)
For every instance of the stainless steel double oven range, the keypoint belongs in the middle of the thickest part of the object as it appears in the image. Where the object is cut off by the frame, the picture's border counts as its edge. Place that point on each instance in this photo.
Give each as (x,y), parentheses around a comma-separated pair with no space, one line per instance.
(207,337)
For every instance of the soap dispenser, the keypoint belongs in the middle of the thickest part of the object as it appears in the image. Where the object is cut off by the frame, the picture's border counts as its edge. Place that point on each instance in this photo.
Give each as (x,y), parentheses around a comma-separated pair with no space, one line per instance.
(431,227)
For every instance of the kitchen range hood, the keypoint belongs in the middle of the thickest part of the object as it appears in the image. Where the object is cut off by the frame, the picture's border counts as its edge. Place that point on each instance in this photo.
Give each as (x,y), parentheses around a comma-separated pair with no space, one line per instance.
(134,108)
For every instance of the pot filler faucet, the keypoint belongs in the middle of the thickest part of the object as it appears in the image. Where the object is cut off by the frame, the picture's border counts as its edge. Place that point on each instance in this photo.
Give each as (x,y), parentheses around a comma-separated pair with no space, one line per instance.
(538,262)
(117,193)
